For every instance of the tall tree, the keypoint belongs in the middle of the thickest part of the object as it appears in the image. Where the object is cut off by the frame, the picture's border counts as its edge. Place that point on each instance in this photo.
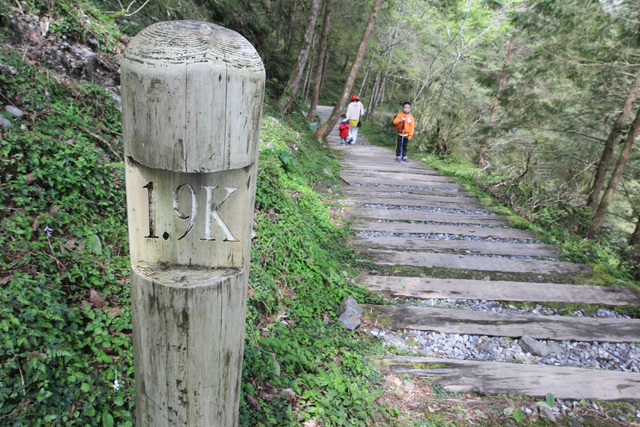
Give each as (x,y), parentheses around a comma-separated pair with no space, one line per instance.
(634,240)
(615,177)
(611,144)
(298,69)
(337,110)
(321,62)
(496,103)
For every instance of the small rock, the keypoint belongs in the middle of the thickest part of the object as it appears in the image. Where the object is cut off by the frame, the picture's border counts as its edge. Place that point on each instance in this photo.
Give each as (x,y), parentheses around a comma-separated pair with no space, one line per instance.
(350,313)
(533,346)
(554,347)
(547,414)
(14,111)
(409,385)
(4,121)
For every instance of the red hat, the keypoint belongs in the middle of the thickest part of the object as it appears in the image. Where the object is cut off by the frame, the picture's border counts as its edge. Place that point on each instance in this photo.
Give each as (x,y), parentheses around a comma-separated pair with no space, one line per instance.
(354,97)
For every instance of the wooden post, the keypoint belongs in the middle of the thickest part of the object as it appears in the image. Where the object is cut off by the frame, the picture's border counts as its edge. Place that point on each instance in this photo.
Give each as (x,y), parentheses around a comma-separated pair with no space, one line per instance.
(192,97)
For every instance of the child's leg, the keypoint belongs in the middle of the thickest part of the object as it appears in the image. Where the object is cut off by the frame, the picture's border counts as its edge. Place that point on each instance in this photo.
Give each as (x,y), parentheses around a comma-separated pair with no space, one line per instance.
(399,144)
(405,145)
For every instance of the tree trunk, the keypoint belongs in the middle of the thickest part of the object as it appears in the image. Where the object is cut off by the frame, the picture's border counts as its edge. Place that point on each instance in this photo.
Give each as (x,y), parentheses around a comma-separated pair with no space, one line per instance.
(321,54)
(374,96)
(615,178)
(346,62)
(611,144)
(364,80)
(298,69)
(634,240)
(324,69)
(306,87)
(337,110)
(496,104)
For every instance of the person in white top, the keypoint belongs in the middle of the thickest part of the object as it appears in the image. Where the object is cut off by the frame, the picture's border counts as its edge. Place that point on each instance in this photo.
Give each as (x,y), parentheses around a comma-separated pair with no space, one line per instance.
(355,110)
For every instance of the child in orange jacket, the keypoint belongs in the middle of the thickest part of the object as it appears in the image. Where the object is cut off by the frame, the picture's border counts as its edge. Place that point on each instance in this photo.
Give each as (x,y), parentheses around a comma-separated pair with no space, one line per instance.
(404,123)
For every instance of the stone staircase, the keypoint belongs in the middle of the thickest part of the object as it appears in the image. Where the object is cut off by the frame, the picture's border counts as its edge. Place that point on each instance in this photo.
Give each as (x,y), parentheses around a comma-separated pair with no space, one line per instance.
(413,220)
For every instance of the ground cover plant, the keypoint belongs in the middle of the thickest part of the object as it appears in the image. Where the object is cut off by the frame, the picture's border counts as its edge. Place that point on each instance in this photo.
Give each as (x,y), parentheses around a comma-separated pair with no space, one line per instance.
(66,323)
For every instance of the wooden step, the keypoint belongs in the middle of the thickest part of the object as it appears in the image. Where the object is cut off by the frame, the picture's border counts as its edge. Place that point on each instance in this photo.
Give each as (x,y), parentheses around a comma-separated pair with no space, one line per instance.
(363,163)
(475,262)
(459,246)
(402,175)
(455,321)
(352,178)
(404,227)
(422,288)
(420,201)
(383,191)
(465,376)
(410,215)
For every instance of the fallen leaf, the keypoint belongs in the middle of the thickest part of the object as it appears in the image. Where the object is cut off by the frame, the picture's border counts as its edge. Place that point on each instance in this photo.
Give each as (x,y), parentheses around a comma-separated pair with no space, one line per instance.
(114,312)
(96,300)
(253,402)
(30,178)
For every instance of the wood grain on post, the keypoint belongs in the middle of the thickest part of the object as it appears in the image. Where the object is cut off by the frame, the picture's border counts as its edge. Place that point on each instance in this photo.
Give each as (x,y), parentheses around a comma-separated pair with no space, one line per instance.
(192,97)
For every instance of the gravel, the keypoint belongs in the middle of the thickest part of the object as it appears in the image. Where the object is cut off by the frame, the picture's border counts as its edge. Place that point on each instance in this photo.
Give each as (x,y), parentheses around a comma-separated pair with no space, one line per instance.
(498,307)
(444,236)
(408,187)
(591,355)
(426,209)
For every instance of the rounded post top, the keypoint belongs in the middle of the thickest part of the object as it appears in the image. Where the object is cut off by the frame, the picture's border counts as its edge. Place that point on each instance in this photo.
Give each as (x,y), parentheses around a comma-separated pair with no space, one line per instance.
(192,42)
(192,97)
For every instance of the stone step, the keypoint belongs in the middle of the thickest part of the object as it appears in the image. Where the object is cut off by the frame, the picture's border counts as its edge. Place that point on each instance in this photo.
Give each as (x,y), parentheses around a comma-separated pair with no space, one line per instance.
(404,227)
(455,321)
(459,246)
(423,288)
(353,178)
(475,262)
(441,202)
(465,376)
(416,215)
(383,191)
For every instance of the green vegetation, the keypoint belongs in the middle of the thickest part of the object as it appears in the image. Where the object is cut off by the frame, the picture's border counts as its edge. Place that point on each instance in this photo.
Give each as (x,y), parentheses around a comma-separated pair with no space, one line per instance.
(66,322)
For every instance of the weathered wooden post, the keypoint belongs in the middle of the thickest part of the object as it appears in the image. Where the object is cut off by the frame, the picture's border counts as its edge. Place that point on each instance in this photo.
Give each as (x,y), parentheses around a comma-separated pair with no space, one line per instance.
(192,102)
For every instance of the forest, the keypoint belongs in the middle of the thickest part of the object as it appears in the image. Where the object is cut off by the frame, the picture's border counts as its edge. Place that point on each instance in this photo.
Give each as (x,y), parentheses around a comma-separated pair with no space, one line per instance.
(534,103)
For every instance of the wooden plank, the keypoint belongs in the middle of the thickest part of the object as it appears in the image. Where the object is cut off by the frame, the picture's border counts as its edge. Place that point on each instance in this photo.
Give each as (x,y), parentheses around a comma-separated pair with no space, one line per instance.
(379,191)
(451,321)
(475,262)
(465,376)
(362,163)
(404,227)
(421,201)
(416,287)
(358,179)
(415,215)
(382,177)
(460,246)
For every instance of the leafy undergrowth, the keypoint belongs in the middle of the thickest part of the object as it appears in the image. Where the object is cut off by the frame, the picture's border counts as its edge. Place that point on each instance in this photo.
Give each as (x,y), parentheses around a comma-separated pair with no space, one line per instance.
(300,274)
(66,355)
(66,323)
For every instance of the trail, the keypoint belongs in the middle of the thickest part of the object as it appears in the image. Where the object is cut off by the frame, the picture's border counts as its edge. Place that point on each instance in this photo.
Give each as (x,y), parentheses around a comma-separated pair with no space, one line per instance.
(479,333)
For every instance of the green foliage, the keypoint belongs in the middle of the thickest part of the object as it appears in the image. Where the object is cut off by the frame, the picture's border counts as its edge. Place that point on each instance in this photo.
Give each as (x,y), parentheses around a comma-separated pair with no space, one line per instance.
(62,199)
(299,276)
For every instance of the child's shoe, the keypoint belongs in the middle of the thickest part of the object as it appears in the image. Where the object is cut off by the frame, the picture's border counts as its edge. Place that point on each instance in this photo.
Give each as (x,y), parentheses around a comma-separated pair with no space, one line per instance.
(399,159)
(405,159)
